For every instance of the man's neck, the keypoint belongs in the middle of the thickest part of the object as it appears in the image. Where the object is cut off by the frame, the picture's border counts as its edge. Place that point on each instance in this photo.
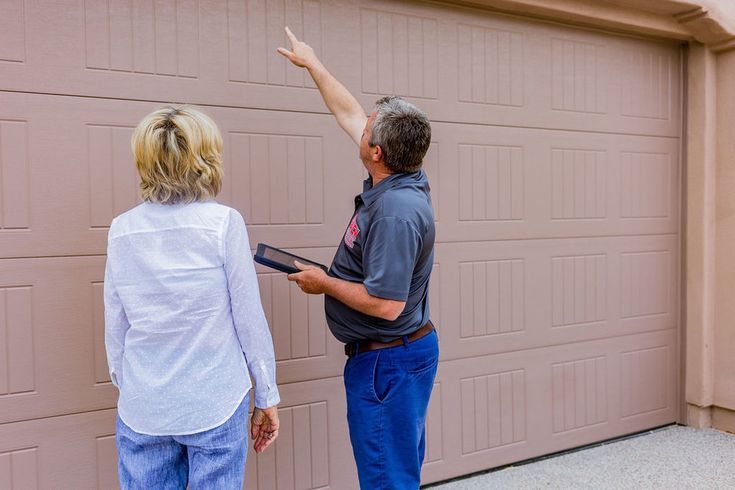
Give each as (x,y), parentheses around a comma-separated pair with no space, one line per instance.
(379,173)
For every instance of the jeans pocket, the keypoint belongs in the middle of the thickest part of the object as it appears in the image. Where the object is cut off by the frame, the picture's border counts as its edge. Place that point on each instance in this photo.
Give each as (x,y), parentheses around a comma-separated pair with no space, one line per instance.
(382,379)
(425,365)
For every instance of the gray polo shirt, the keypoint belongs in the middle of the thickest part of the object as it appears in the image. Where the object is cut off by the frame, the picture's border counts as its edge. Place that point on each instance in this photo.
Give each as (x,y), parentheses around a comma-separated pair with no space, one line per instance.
(389,247)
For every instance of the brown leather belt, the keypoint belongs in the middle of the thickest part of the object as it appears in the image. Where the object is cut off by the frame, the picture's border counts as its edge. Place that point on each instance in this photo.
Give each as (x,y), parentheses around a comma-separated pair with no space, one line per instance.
(367,345)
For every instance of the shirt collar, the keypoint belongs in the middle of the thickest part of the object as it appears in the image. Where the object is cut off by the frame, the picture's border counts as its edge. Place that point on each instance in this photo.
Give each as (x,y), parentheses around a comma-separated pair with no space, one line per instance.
(370,193)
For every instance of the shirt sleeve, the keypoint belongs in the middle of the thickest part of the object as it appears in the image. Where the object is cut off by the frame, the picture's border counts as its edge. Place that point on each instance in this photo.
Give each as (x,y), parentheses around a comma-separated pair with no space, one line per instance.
(116,326)
(247,311)
(389,256)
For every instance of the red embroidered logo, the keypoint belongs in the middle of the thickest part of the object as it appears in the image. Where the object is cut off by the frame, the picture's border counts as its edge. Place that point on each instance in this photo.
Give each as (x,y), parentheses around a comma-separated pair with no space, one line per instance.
(352,232)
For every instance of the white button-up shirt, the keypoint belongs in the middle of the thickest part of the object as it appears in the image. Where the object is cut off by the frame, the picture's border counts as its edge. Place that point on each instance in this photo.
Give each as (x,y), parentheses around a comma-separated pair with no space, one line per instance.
(183,318)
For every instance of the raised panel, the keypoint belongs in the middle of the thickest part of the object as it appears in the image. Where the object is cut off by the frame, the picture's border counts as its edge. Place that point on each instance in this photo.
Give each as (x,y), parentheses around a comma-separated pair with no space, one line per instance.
(490,66)
(159,37)
(578,76)
(491,183)
(312,450)
(399,54)
(579,393)
(434,427)
(277,179)
(579,289)
(12,25)
(255,30)
(492,297)
(46,325)
(16,340)
(644,283)
(435,295)
(493,411)
(61,452)
(107,476)
(112,176)
(647,85)
(643,375)
(101,370)
(296,319)
(579,184)
(14,175)
(19,469)
(431,167)
(645,184)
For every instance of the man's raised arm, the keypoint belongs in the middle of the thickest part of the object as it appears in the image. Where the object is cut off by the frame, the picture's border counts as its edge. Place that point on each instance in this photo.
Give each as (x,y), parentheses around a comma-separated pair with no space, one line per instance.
(349,113)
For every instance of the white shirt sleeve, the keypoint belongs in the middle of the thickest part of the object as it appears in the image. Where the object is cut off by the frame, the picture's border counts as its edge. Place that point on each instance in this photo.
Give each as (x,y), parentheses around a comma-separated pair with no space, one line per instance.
(247,311)
(116,325)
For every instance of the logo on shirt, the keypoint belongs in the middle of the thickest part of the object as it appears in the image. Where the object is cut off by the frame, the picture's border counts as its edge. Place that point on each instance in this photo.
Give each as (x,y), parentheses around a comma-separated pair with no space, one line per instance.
(352,232)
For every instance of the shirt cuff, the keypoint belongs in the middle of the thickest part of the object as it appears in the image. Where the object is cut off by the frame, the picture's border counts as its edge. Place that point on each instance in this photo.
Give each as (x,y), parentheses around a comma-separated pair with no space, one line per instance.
(114,379)
(267,398)
(266,389)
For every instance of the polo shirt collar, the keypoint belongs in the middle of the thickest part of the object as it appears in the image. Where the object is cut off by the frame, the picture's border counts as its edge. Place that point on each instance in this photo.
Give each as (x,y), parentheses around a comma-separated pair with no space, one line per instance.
(370,193)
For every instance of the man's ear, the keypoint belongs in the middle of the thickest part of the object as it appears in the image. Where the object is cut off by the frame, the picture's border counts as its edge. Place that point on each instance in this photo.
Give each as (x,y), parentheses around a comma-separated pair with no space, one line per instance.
(377,153)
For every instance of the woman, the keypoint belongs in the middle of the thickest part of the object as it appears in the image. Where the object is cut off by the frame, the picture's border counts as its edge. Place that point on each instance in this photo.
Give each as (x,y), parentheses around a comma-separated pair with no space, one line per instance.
(183,318)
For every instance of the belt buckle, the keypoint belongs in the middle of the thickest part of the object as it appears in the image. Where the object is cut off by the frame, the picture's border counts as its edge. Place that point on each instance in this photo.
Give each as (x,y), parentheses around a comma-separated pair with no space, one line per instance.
(350,349)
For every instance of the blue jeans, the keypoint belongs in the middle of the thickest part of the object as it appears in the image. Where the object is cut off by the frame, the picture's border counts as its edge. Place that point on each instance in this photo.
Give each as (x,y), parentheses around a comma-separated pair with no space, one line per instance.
(211,459)
(387,396)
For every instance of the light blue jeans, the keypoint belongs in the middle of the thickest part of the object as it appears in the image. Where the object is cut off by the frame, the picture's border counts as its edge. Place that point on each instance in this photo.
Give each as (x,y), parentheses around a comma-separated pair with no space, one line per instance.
(209,459)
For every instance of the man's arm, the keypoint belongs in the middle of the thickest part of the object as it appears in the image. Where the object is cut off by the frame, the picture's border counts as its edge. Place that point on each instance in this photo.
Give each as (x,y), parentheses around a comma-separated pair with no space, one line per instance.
(346,109)
(313,280)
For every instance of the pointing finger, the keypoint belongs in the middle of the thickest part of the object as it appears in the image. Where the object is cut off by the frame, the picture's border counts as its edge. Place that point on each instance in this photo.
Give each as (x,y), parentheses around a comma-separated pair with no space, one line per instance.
(291,37)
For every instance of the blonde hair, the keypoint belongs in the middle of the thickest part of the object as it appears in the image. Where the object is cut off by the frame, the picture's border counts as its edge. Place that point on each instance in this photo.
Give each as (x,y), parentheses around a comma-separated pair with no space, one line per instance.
(178,153)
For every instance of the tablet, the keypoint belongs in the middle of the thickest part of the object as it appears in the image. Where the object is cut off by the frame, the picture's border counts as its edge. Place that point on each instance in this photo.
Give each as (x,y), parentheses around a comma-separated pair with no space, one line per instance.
(280,260)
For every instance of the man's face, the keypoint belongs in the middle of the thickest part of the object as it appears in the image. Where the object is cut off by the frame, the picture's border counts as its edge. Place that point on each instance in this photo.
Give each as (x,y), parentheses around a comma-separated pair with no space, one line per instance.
(365,150)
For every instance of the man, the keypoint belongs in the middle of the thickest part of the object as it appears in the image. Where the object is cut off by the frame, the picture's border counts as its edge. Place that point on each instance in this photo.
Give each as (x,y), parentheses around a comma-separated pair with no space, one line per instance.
(376,292)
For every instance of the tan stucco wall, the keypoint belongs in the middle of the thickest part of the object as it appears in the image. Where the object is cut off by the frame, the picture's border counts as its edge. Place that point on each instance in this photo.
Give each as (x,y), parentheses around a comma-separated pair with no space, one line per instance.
(724,360)
(708,299)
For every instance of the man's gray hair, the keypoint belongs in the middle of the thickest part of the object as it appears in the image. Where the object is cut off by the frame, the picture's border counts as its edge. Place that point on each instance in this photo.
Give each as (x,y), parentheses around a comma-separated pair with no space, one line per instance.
(402,131)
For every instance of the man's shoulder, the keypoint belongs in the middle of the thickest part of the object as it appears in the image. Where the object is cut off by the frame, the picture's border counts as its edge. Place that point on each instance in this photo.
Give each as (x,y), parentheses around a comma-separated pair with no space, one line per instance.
(404,203)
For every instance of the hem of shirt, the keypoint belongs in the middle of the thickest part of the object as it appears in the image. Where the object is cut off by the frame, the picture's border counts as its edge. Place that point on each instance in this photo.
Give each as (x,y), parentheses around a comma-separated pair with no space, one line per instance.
(386,294)
(188,433)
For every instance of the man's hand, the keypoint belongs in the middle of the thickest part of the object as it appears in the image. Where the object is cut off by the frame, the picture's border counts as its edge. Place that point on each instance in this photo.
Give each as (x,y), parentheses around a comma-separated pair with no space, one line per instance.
(301,54)
(264,427)
(346,109)
(310,279)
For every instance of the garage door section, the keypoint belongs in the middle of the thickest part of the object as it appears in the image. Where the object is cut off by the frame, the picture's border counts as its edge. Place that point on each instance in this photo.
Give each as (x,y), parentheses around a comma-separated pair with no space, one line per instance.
(555,173)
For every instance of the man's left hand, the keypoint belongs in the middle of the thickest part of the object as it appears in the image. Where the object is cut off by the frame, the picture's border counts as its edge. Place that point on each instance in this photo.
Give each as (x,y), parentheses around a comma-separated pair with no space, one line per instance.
(311,278)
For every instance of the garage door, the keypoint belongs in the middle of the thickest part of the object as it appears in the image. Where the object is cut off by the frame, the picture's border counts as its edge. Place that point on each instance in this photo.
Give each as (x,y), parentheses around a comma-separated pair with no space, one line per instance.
(555,172)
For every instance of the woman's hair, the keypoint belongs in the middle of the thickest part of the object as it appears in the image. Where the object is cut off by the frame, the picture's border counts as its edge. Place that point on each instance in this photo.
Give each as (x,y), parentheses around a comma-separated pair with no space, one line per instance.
(178,152)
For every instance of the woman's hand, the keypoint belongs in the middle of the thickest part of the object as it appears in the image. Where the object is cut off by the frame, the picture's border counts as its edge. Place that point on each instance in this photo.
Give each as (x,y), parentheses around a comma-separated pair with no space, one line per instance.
(264,427)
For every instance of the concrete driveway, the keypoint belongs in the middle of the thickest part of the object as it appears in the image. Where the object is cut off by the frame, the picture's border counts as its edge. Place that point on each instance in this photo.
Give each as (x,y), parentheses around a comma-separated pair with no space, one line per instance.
(669,458)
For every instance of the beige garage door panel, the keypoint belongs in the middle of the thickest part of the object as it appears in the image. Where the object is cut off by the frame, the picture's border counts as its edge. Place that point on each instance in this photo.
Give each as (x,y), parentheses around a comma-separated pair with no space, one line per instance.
(510,183)
(69,452)
(208,51)
(506,296)
(463,65)
(52,331)
(52,328)
(460,65)
(495,410)
(304,347)
(277,166)
(312,450)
